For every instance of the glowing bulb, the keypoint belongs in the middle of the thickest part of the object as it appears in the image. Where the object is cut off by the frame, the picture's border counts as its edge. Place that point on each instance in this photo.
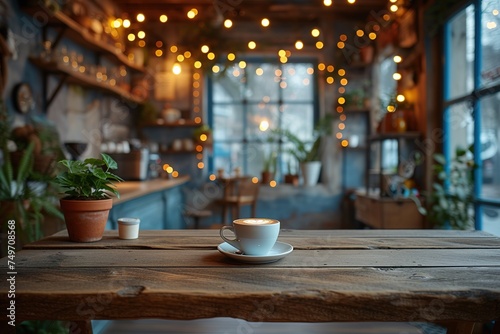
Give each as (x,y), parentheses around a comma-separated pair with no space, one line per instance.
(141,34)
(228,23)
(315,32)
(163,18)
(299,45)
(319,45)
(394,8)
(176,69)
(131,37)
(396,76)
(205,49)
(400,98)
(397,59)
(140,17)
(126,23)
(327,3)
(252,45)
(117,23)
(265,22)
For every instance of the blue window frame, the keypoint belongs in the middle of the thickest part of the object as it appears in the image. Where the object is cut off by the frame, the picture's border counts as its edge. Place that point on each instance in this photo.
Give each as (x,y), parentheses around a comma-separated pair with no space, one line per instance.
(245,102)
(472,100)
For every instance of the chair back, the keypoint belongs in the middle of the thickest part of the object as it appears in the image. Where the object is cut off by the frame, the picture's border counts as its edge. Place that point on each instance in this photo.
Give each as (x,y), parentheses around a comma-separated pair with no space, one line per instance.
(247,190)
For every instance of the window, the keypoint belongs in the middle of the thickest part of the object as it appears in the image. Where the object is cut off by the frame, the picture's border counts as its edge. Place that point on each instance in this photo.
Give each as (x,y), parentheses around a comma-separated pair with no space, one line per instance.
(472,100)
(245,104)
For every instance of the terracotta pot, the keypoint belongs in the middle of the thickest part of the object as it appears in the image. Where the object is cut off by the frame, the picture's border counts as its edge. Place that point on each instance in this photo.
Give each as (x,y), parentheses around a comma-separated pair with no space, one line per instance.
(86,219)
(266,177)
(292,179)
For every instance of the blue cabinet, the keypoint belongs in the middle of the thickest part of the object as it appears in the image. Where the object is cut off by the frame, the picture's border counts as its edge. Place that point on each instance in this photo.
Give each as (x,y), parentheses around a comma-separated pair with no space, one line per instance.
(157,211)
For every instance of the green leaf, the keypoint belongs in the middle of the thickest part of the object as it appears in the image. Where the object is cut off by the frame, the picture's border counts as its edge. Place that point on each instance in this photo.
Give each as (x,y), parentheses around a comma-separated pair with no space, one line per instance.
(110,163)
(94,162)
(440,158)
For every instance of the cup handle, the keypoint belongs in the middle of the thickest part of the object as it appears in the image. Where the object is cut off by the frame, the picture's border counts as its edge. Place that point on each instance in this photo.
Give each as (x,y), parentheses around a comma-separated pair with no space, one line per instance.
(232,242)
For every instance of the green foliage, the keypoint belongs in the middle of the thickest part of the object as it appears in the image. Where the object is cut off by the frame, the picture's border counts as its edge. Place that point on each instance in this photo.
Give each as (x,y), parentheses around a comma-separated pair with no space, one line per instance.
(451,198)
(270,162)
(87,179)
(42,327)
(305,151)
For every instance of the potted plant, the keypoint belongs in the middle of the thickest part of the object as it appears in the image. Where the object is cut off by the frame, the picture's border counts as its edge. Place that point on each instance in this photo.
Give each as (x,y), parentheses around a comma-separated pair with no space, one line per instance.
(26,196)
(291,177)
(89,187)
(308,153)
(451,199)
(269,167)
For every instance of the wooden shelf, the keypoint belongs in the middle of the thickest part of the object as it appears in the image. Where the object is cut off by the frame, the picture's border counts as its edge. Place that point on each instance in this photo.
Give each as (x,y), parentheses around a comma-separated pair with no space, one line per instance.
(179,124)
(82,36)
(395,135)
(182,151)
(74,77)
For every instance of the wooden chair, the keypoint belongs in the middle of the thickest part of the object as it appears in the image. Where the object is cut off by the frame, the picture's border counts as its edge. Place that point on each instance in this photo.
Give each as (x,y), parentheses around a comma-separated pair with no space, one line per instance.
(239,192)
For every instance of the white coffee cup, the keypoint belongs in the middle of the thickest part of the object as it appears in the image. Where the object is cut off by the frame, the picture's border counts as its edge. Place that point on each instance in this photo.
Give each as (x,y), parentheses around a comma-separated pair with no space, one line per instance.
(253,236)
(128,228)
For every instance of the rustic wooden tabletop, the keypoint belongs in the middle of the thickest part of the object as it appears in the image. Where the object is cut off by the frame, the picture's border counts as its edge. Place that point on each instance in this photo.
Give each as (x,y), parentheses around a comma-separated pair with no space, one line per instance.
(440,276)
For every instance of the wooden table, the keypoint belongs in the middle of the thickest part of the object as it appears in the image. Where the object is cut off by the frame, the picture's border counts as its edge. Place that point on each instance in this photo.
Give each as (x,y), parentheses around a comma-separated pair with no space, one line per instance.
(450,277)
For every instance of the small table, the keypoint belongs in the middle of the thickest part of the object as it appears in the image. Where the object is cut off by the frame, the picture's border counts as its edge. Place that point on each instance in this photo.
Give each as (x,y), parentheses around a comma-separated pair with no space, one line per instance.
(448,277)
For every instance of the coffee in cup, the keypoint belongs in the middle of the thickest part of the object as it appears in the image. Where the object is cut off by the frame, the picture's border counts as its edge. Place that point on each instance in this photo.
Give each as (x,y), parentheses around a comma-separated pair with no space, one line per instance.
(253,236)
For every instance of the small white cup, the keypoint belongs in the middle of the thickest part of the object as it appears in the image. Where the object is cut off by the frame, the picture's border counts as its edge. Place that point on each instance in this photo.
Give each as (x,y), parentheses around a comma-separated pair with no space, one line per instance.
(253,236)
(128,228)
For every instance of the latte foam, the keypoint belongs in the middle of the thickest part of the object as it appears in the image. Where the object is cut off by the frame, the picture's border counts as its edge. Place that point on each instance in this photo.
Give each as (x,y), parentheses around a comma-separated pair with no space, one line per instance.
(256,221)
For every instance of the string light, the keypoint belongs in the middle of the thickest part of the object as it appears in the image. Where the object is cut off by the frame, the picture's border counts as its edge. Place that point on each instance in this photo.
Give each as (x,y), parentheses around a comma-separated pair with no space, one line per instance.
(228,23)
(265,22)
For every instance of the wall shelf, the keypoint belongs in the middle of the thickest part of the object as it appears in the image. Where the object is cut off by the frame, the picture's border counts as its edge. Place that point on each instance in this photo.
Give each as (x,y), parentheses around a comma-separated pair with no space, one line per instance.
(67,75)
(73,30)
(179,124)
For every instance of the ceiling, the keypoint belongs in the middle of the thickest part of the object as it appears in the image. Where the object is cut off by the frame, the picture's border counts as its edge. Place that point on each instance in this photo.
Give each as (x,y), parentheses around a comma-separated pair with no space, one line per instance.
(252,10)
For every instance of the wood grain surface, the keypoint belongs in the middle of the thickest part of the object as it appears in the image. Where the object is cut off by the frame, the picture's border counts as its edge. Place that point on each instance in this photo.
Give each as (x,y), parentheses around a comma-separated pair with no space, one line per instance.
(377,275)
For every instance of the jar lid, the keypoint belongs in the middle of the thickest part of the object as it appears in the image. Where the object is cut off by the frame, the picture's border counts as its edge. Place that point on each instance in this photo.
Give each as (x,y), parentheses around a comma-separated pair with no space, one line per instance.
(129,221)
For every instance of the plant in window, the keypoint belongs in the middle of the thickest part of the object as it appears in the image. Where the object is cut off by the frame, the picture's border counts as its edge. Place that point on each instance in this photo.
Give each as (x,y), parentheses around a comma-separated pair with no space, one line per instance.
(451,199)
(308,153)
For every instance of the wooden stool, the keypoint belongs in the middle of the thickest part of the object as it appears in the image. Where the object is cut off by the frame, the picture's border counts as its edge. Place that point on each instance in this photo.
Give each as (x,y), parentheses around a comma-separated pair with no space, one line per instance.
(196,215)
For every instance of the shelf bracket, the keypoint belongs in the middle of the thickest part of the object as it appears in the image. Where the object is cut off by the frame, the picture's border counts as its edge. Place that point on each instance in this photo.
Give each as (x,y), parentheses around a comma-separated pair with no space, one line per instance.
(55,92)
(61,30)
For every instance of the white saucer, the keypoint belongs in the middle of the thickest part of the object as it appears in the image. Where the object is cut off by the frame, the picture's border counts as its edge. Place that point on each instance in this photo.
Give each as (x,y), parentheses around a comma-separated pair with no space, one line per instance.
(279,251)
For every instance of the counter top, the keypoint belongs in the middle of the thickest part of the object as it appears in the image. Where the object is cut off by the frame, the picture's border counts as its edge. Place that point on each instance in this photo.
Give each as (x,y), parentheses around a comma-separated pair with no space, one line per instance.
(134,189)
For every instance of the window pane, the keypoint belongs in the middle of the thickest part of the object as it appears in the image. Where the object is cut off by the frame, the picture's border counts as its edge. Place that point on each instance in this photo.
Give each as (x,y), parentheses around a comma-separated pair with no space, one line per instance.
(228,87)
(257,156)
(260,119)
(461,127)
(490,71)
(461,58)
(227,156)
(263,83)
(298,118)
(490,151)
(297,82)
(228,122)
(491,219)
